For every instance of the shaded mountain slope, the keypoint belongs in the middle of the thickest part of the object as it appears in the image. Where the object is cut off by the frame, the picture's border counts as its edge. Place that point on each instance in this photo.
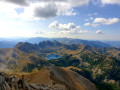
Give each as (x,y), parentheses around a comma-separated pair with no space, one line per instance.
(15,59)
(45,46)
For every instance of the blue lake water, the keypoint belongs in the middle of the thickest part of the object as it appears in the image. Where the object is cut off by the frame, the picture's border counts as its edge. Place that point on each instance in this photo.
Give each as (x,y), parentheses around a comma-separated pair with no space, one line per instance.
(53,56)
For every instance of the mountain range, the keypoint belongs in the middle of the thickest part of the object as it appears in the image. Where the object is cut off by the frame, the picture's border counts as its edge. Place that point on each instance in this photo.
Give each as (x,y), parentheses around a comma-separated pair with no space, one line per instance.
(100,65)
(10,43)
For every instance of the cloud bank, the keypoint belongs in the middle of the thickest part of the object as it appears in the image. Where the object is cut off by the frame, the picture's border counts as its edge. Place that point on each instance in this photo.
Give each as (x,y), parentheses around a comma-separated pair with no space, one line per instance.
(108,21)
(18,2)
(110,2)
(102,21)
(69,28)
(42,9)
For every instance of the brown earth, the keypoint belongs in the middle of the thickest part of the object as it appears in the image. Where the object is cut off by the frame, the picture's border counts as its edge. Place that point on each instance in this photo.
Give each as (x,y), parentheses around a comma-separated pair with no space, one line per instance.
(62,77)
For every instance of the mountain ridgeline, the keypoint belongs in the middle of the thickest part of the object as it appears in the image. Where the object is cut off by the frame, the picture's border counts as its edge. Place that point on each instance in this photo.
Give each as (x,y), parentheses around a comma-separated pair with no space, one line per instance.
(70,41)
(10,43)
(46,45)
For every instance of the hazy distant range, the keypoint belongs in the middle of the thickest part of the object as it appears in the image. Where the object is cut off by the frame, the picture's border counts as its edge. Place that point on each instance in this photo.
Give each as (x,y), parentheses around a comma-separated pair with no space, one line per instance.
(9,43)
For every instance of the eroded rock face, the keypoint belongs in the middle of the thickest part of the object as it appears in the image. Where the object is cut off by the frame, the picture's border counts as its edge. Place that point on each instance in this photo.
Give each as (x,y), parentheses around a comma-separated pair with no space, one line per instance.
(7,82)
(3,84)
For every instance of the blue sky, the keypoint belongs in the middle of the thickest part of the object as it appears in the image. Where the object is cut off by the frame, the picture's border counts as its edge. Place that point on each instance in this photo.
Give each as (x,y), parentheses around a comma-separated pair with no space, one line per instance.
(84,19)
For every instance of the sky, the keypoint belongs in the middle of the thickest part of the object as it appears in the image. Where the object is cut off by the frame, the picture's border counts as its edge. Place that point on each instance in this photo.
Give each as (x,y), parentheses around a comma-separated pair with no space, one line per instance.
(83,19)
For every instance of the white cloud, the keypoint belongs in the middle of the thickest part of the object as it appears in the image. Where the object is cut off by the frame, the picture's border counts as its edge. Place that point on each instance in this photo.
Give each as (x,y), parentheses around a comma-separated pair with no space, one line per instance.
(41,9)
(103,2)
(108,21)
(99,32)
(8,9)
(87,24)
(98,21)
(92,14)
(75,3)
(44,33)
(110,2)
(46,10)
(96,2)
(64,9)
(54,25)
(18,2)
(73,32)
(93,24)
(83,31)
(69,28)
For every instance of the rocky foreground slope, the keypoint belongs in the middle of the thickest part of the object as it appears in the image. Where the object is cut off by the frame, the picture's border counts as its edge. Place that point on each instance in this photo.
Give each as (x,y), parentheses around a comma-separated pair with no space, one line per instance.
(48,78)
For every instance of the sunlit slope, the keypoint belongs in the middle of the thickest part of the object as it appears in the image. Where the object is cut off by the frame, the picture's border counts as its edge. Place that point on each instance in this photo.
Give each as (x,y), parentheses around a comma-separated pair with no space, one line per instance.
(61,77)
